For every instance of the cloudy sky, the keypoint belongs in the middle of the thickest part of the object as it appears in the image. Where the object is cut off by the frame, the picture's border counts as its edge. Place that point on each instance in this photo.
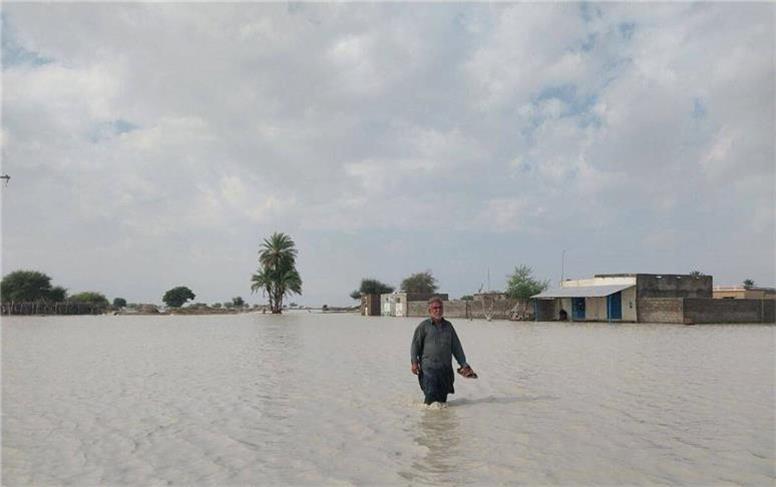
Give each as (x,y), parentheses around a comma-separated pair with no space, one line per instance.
(155,145)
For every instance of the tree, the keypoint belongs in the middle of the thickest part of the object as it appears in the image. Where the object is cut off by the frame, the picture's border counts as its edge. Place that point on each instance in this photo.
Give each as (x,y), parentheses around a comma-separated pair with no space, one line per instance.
(522,284)
(90,297)
(467,297)
(262,281)
(216,305)
(119,302)
(419,283)
(29,286)
(57,294)
(238,302)
(277,276)
(748,284)
(177,296)
(371,286)
(697,274)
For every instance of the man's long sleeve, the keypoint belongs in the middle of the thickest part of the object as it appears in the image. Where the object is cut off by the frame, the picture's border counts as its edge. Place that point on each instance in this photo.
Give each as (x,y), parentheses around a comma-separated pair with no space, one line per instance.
(458,350)
(417,345)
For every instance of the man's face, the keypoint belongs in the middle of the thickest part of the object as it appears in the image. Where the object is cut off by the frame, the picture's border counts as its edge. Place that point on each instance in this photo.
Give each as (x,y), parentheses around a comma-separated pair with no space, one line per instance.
(435,310)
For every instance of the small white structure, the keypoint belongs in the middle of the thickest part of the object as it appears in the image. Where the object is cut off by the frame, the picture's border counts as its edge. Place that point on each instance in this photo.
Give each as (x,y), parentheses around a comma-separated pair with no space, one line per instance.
(396,303)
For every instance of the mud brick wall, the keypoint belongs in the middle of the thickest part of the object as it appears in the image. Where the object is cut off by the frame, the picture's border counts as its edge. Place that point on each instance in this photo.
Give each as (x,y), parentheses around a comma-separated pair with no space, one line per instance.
(501,309)
(660,310)
(453,309)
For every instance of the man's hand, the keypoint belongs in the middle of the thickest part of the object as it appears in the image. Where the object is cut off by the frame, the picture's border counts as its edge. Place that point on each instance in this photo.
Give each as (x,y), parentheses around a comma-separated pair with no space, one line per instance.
(467,372)
(415,368)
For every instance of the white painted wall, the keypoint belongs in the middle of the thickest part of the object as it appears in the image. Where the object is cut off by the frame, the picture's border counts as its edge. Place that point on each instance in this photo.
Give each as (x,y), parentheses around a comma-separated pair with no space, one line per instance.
(629,304)
(565,304)
(388,305)
(599,281)
(595,308)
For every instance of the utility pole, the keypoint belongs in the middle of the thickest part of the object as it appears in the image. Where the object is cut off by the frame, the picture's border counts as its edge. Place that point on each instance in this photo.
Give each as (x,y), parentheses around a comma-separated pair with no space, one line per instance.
(488,280)
(562,266)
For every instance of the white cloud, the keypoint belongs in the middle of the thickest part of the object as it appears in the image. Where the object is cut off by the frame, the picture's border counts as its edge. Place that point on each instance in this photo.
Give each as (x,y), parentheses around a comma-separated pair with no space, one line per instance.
(346,122)
(527,49)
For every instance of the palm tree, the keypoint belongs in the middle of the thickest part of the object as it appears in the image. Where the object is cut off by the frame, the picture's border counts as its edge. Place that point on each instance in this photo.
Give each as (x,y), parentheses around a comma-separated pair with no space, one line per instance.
(277,251)
(263,282)
(288,282)
(277,274)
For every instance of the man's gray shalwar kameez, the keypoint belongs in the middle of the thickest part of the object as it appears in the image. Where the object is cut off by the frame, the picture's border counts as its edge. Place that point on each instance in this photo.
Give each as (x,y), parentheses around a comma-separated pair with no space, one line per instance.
(433,347)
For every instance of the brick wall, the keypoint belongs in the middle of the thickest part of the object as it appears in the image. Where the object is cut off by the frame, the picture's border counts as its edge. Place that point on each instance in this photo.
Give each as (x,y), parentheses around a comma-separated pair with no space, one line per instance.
(419,308)
(700,310)
(545,309)
(660,310)
(769,311)
(500,309)
(673,286)
(453,309)
(706,310)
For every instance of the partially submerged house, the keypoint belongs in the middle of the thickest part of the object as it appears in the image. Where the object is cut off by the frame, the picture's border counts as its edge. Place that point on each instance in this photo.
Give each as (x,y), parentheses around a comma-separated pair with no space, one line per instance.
(649,298)
(615,297)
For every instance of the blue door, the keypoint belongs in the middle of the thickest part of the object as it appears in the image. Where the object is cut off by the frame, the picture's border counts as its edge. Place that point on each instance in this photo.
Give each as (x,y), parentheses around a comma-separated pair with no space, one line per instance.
(614,306)
(578,308)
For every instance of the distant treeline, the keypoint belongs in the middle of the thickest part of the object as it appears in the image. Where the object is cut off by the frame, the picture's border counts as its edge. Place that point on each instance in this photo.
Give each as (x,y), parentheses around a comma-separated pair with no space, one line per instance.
(44,308)
(26,292)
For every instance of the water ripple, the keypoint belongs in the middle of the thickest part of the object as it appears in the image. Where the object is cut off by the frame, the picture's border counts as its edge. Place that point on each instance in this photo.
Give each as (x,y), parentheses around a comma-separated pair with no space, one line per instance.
(308,399)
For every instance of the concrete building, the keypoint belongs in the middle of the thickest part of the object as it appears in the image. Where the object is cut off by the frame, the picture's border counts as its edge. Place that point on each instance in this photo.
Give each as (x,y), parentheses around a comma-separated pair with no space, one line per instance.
(649,298)
(397,303)
(738,292)
(615,297)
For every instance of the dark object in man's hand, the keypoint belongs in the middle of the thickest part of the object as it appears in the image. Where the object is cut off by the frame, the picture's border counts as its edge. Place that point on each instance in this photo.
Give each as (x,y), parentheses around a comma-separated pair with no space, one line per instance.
(467,372)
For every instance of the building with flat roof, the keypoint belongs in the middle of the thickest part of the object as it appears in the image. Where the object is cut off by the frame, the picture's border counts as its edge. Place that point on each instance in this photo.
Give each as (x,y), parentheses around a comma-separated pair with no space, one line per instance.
(615,297)
(653,298)
(740,292)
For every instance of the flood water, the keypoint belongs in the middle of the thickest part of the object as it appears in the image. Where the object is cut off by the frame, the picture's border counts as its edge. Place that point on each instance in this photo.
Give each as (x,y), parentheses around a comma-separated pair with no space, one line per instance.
(329,399)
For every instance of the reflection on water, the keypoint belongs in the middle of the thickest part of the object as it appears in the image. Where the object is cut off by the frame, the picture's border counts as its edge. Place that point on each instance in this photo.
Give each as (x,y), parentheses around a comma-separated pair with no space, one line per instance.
(306,399)
(499,400)
(438,430)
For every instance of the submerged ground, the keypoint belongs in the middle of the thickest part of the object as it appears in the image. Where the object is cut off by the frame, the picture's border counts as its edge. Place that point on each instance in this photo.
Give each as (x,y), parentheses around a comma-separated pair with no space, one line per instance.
(313,398)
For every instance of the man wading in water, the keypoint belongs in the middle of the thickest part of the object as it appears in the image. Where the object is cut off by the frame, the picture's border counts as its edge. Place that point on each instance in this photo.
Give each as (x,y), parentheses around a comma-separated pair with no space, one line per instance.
(434,345)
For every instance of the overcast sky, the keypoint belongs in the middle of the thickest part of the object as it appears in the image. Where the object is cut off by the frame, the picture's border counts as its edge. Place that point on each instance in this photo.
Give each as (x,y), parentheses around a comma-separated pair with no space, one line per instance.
(155,145)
